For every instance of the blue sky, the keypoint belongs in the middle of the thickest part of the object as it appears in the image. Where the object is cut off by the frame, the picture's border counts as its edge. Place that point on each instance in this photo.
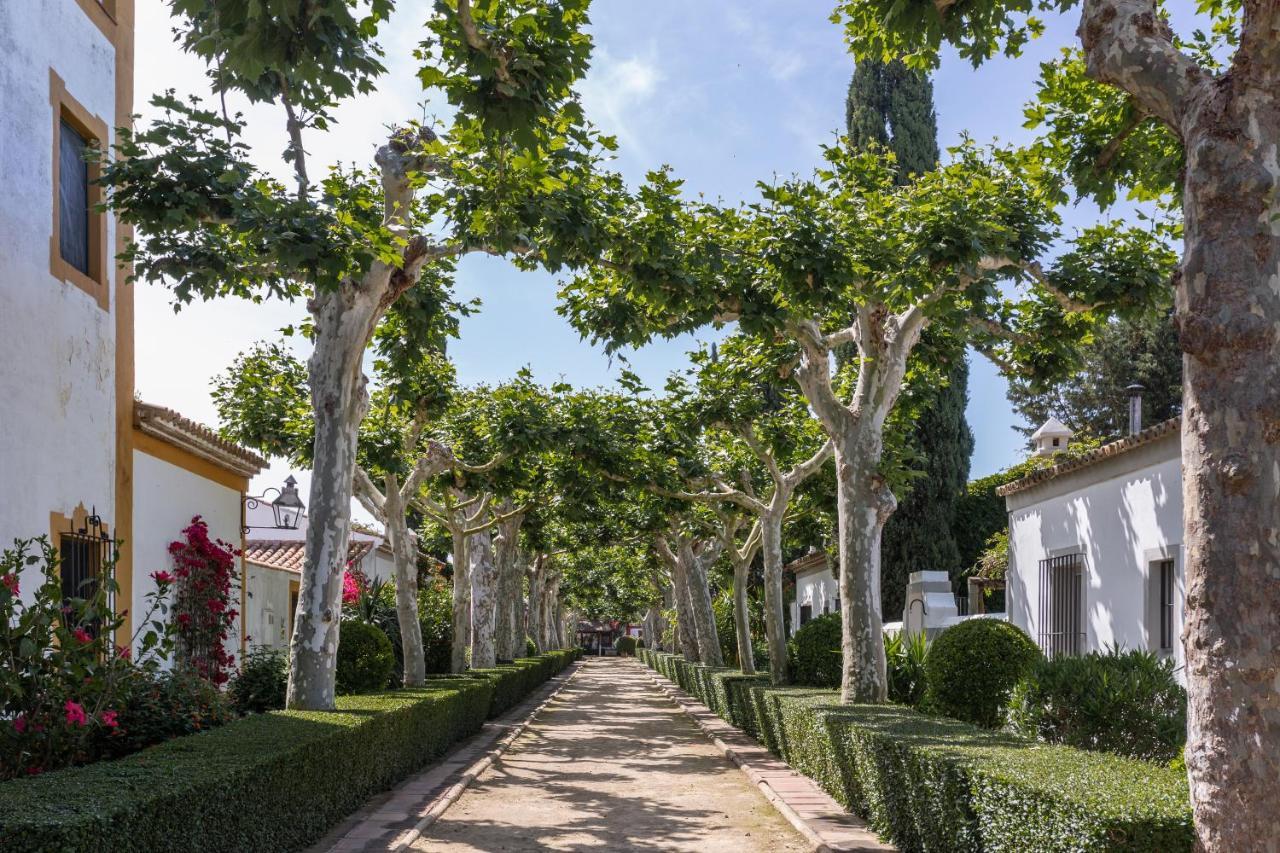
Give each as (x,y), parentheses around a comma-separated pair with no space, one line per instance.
(727,93)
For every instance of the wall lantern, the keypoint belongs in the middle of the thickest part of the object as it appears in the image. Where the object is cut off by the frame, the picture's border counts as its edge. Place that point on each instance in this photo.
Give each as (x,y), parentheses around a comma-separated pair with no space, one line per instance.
(286,507)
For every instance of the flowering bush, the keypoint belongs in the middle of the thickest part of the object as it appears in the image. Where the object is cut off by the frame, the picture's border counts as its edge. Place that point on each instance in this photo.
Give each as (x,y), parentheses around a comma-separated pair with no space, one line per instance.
(64,683)
(203,574)
(354,584)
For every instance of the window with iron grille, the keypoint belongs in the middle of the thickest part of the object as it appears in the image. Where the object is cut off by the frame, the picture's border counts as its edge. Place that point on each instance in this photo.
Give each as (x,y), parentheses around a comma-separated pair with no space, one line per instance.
(84,553)
(1165,604)
(1061,611)
(806,613)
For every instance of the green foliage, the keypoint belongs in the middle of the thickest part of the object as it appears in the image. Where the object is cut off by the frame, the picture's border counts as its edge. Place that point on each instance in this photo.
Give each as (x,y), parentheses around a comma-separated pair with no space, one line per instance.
(816,647)
(994,560)
(262,783)
(435,616)
(514,681)
(934,784)
(1128,703)
(905,657)
(972,667)
(1094,400)
(890,106)
(530,647)
(260,684)
(625,645)
(166,705)
(365,658)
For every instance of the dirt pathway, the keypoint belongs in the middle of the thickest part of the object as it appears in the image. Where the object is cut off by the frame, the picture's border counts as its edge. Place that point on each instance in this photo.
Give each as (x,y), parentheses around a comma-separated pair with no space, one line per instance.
(611,765)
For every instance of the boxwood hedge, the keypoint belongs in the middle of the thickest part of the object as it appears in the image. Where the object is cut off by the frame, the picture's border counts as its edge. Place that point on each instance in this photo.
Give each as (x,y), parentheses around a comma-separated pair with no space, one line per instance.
(267,782)
(935,784)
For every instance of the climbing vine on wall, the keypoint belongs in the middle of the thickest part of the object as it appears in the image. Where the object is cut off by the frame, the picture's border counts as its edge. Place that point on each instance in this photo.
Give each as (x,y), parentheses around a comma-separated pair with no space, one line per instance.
(203,611)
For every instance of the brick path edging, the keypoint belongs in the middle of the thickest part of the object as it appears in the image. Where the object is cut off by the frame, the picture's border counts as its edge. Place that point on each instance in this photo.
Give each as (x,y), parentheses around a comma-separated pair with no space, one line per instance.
(811,810)
(393,821)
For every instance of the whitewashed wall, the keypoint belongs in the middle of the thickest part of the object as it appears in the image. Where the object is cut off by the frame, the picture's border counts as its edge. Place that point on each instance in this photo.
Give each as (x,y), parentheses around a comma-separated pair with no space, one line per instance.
(1123,515)
(817,588)
(57,347)
(267,606)
(165,498)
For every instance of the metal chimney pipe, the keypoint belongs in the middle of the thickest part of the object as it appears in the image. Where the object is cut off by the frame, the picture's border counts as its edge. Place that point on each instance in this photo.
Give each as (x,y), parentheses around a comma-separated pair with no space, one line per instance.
(1135,408)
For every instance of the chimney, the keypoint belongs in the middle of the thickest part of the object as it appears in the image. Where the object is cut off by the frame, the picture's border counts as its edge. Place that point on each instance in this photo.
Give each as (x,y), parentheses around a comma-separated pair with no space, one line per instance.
(1135,408)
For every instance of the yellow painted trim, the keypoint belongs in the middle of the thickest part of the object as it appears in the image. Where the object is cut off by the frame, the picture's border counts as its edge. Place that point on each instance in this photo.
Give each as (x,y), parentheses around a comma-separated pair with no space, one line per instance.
(123,38)
(94,130)
(105,16)
(188,461)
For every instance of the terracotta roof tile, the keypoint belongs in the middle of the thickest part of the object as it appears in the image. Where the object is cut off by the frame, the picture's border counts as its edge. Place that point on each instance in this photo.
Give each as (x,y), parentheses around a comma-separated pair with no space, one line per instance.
(812,560)
(1084,460)
(288,554)
(171,427)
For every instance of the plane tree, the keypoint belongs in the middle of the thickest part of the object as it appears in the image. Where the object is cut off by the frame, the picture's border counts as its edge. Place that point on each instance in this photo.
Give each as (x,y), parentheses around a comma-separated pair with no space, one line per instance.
(513,174)
(963,248)
(1136,109)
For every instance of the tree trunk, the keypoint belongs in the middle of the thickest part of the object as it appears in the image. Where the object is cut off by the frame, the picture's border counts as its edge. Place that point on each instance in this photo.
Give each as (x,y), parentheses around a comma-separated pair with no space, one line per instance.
(742,616)
(775,625)
(558,606)
(686,622)
(700,605)
(507,637)
(550,591)
(484,600)
(405,557)
(537,583)
(1229,321)
(864,502)
(344,319)
(461,599)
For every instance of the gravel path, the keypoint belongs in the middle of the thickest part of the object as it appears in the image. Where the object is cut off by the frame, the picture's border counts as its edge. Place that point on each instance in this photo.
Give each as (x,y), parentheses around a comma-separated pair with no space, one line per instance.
(611,765)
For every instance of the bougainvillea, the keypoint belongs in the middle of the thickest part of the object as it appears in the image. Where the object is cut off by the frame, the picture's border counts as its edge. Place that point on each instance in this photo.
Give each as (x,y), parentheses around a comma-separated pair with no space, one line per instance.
(63,683)
(204,578)
(354,582)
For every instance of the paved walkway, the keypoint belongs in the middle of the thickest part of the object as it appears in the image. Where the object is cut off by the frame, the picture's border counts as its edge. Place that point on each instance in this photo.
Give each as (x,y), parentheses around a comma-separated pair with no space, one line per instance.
(611,765)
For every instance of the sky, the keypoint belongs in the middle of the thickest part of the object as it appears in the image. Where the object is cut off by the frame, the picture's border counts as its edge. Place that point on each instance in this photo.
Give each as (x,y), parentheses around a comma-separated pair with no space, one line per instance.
(727,92)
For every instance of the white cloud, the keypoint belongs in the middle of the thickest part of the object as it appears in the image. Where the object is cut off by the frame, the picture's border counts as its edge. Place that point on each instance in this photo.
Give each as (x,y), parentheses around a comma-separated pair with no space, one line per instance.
(615,93)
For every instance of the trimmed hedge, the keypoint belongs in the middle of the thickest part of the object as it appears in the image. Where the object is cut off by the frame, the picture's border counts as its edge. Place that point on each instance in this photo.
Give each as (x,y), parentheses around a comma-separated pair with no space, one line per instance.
(513,681)
(972,667)
(262,783)
(936,784)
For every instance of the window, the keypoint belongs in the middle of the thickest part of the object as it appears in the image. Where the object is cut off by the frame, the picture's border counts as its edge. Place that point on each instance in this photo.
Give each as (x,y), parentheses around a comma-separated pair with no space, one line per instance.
(1057,442)
(1164,603)
(84,552)
(78,242)
(806,613)
(73,198)
(1061,611)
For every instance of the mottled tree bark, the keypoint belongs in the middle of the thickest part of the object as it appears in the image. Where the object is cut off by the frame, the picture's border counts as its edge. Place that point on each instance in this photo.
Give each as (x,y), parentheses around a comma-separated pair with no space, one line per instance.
(508,638)
(775,626)
(404,551)
(537,583)
(461,599)
(686,623)
(696,563)
(1228,314)
(742,616)
(484,600)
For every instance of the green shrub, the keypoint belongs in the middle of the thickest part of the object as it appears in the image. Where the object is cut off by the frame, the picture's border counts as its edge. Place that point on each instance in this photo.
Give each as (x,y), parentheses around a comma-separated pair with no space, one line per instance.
(905,657)
(972,667)
(625,645)
(1128,703)
(167,705)
(365,658)
(266,782)
(260,685)
(435,615)
(934,784)
(640,643)
(530,647)
(813,647)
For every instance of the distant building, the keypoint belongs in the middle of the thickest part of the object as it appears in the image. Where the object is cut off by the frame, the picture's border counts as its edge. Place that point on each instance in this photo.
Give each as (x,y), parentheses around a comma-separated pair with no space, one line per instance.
(1095,548)
(817,591)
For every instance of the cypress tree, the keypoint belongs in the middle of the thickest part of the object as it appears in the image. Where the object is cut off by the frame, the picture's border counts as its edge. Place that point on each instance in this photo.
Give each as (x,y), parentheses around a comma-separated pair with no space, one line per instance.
(892,106)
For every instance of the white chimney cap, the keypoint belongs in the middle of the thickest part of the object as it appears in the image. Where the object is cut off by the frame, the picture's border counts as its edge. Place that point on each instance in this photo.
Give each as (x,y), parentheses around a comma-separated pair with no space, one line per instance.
(1051,428)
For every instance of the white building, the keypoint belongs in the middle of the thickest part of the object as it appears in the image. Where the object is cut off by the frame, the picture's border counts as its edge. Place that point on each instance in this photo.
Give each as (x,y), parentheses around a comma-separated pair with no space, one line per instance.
(273,575)
(1095,548)
(817,591)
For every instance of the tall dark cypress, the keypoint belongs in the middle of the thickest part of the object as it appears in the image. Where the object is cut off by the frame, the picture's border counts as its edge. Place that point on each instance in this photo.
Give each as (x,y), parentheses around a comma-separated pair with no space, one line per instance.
(892,106)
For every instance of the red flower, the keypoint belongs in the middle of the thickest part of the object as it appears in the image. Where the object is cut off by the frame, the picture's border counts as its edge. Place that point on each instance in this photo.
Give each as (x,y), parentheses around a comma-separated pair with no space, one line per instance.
(34,771)
(11,583)
(109,719)
(20,723)
(162,577)
(184,619)
(82,636)
(216,605)
(75,714)
(124,652)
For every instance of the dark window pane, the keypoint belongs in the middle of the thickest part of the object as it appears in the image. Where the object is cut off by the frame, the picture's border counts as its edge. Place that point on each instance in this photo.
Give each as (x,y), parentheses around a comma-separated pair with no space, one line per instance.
(73,199)
(81,563)
(806,613)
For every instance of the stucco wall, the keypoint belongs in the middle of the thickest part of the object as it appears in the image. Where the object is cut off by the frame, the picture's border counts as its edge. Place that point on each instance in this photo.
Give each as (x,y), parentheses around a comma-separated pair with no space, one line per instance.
(165,498)
(267,612)
(1123,517)
(817,588)
(57,347)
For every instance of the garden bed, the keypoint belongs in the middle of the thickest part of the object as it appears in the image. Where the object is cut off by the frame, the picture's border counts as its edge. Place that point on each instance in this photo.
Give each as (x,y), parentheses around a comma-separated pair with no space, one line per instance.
(934,784)
(268,782)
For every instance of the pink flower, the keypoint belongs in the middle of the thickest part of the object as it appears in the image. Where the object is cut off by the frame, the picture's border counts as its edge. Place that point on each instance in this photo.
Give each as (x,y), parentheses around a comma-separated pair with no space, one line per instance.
(124,652)
(11,583)
(184,619)
(350,588)
(20,723)
(82,636)
(109,719)
(215,605)
(162,577)
(75,714)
